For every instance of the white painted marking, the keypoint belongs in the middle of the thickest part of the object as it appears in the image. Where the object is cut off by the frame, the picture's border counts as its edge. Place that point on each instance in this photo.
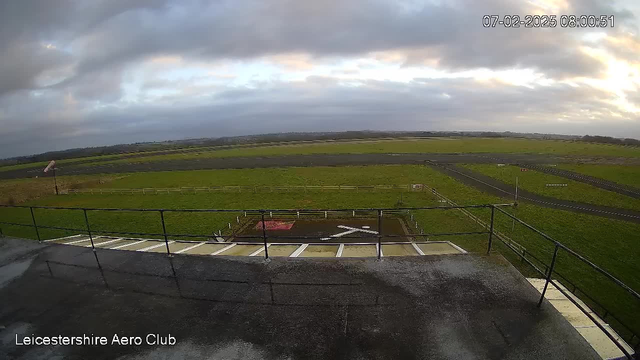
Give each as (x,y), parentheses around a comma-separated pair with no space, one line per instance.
(125,245)
(223,249)
(79,241)
(415,246)
(104,242)
(66,237)
(356,229)
(259,250)
(299,250)
(340,250)
(457,247)
(189,248)
(155,246)
(366,227)
(381,254)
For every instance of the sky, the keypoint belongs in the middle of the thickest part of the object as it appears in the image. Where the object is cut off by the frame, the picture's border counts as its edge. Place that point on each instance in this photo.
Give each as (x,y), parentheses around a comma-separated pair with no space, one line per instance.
(77,73)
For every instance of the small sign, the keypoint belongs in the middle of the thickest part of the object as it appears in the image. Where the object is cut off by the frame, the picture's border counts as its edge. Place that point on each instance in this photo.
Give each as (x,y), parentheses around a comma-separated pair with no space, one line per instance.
(50,166)
(556,185)
(524,169)
(417,186)
(500,165)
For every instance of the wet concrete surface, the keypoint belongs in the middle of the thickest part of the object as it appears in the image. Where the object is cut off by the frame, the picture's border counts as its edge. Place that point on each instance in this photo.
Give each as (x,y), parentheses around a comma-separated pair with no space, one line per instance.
(428,307)
(493,186)
(314,160)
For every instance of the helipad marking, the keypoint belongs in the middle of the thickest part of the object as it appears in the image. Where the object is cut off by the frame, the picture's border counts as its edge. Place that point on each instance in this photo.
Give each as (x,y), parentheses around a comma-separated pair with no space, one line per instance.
(259,251)
(223,249)
(65,237)
(105,242)
(299,250)
(189,248)
(125,245)
(154,246)
(79,241)
(356,229)
(417,248)
(340,250)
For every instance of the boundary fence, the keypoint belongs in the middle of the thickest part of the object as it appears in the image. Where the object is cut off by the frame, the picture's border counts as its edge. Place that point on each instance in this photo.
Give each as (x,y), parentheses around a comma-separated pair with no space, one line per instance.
(547,271)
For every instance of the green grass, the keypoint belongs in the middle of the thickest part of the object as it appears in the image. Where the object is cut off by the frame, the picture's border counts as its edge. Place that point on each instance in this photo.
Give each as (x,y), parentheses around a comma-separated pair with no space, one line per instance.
(293,176)
(454,145)
(535,182)
(611,244)
(627,175)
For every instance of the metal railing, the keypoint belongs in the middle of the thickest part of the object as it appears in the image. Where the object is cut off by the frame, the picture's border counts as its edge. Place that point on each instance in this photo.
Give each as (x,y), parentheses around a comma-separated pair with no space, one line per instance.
(550,270)
(547,273)
(378,213)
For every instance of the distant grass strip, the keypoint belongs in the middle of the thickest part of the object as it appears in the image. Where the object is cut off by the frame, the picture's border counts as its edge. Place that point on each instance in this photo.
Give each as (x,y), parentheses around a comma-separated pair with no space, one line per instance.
(626,175)
(535,182)
(452,145)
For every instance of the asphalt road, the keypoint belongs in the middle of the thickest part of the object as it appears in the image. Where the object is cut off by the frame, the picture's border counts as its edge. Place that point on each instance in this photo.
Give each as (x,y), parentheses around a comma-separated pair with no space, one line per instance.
(490,185)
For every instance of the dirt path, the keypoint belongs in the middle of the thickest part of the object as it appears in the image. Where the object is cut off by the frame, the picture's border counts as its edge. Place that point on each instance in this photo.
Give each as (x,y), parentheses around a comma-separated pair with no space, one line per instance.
(498,188)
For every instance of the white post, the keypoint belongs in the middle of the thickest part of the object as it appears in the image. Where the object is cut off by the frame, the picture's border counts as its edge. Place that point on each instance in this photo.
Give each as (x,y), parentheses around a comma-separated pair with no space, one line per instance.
(238,219)
(229,226)
(325,214)
(298,212)
(270,213)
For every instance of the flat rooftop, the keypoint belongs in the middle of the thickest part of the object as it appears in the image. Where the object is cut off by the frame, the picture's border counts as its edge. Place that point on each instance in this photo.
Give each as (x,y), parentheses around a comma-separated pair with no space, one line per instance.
(437,307)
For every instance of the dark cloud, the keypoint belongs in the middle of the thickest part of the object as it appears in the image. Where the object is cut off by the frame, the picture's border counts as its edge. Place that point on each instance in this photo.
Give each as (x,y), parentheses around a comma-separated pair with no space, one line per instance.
(63,66)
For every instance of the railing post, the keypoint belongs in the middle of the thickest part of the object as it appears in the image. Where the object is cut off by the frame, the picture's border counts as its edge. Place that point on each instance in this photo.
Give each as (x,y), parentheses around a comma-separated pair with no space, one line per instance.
(379,234)
(264,236)
(164,232)
(86,221)
(549,273)
(493,212)
(35,225)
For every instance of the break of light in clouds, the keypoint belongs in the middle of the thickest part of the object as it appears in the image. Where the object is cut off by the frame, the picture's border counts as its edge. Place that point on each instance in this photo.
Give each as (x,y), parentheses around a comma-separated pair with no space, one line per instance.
(90,73)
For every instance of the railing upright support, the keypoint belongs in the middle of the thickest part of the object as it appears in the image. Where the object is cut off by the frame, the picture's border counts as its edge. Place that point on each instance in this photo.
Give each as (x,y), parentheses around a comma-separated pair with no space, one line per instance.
(164,232)
(493,213)
(549,273)
(264,236)
(35,225)
(379,234)
(86,221)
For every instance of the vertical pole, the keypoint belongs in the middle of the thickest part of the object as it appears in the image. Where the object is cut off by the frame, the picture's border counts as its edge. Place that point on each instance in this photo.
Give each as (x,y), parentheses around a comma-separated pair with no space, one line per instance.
(86,221)
(516,189)
(549,273)
(164,232)
(264,236)
(35,226)
(55,182)
(493,212)
(379,234)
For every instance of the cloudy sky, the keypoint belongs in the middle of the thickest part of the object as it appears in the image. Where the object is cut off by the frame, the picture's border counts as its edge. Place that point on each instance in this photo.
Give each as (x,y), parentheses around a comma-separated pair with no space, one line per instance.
(77,73)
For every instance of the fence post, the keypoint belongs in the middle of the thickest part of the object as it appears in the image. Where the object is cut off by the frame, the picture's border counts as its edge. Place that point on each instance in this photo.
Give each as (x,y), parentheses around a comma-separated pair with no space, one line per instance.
(379,234)
(493,212)
(35,225)
(264,236)
(164,232)
(549,273)
(86,221)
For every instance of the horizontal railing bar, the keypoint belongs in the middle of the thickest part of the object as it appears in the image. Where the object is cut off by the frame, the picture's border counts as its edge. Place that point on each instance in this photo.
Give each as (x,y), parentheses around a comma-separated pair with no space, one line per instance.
(580,257)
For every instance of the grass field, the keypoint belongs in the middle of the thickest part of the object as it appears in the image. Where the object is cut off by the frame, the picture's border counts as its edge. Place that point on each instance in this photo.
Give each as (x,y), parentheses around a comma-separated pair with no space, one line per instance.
(626,175)
(535,182)
(609,243)
(458,145)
